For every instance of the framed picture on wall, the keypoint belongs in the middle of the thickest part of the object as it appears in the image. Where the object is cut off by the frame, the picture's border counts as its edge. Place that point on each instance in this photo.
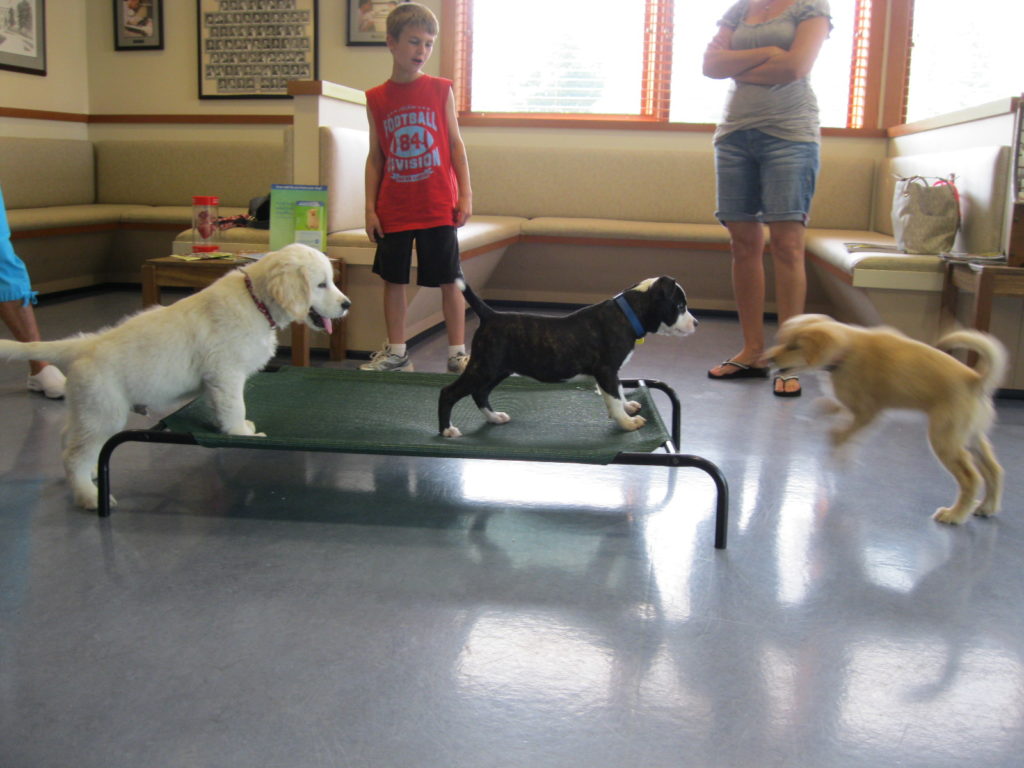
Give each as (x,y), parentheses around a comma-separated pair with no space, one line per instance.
(367,21)
(23,36)
(138,25)
(252,50)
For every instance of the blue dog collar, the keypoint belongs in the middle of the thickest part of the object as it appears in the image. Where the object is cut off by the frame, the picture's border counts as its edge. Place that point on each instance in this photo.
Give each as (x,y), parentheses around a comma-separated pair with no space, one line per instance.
(634,321)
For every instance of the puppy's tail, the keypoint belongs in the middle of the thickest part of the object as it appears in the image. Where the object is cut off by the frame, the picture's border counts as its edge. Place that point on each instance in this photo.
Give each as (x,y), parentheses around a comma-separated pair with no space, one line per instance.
(483,311)
(62,352)
(992,358)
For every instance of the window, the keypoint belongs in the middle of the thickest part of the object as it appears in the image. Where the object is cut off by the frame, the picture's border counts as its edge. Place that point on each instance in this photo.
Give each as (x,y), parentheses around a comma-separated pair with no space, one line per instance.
(596,57)
(626,59)
(979,64)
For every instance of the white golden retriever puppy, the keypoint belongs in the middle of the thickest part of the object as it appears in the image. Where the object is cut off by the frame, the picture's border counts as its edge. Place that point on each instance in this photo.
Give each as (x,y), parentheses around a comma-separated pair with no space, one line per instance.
(208,342)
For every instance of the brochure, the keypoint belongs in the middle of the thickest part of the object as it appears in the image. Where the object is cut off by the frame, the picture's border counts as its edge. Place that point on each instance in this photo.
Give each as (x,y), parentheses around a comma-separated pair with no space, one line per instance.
(298,214)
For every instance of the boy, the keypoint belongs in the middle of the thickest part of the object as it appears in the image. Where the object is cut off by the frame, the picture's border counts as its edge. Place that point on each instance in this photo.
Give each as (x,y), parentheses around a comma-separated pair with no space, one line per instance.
(417,186)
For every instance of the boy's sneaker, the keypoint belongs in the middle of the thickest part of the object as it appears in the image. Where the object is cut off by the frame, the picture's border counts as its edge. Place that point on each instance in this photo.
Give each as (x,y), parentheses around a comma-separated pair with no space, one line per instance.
(457,363)
(386,360)
(50,381)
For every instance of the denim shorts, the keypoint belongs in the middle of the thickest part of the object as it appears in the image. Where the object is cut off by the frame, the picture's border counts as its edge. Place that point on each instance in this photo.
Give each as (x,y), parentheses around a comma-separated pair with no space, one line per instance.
(437,256)
(764,178)
(14,282)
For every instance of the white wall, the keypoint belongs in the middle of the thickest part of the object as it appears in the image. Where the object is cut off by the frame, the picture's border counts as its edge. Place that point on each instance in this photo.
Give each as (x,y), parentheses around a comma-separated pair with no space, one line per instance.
(65,86)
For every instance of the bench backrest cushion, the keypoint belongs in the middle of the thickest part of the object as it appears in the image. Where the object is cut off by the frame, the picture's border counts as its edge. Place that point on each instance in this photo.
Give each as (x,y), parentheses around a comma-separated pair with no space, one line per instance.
(571,182)
(982,178)
(171,172)
(640,185)
(342,165)
(842,196)
(38,173)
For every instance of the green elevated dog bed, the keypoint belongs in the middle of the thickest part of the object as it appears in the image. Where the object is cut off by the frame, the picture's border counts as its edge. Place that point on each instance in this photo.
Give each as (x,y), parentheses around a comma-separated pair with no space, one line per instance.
(317,409)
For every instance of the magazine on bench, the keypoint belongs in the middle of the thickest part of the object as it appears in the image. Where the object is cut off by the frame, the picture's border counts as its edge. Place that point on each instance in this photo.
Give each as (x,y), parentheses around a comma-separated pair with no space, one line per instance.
(974,258)
(871,248)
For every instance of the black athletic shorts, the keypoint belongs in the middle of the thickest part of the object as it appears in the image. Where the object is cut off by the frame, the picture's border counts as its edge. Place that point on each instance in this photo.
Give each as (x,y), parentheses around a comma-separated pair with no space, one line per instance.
(437,256)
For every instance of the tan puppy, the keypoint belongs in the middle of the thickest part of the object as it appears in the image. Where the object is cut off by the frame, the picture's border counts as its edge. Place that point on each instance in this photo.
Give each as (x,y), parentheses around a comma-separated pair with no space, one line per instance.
(877,368)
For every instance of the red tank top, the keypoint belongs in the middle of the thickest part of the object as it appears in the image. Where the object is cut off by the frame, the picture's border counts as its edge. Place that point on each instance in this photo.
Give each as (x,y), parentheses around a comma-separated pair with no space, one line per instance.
(418,189)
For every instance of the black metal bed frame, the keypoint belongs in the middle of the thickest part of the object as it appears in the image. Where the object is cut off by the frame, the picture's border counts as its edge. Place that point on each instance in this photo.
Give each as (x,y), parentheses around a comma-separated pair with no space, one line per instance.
(670,458)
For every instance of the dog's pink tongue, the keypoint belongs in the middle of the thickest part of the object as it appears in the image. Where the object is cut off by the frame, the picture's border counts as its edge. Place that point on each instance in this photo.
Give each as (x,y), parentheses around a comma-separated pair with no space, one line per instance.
(327,324)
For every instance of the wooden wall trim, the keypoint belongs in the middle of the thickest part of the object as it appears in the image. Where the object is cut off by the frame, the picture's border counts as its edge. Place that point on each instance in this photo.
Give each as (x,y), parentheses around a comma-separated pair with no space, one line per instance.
(313,88)
(195,119)
(72,117)
(42,114)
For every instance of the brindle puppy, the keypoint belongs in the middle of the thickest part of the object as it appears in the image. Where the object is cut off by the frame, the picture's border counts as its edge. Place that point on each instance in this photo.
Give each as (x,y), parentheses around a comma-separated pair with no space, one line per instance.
(593,341)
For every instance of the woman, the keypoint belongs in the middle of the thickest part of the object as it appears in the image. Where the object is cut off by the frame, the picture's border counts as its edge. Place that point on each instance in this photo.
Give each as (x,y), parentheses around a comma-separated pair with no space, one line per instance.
(766,160)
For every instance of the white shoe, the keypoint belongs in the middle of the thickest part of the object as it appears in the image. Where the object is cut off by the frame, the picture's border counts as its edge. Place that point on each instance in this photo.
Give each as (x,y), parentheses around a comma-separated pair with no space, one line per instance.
(457,363)
(386,360)
(50,381)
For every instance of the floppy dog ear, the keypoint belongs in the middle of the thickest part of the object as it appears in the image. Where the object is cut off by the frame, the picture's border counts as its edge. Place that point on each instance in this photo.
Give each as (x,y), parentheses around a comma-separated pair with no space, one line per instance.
(288,285)
(817,345)
(664,292)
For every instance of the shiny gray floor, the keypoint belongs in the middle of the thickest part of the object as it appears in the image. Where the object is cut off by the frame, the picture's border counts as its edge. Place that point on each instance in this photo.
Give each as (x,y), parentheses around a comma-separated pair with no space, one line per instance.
(251,608)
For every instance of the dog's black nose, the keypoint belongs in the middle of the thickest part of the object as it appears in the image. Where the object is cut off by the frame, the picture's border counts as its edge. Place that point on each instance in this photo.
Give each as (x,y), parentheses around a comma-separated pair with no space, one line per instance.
(346,304)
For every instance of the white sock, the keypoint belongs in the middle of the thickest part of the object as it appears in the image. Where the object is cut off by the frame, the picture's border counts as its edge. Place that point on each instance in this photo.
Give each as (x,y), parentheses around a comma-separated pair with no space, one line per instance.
(455,349)
(396,349)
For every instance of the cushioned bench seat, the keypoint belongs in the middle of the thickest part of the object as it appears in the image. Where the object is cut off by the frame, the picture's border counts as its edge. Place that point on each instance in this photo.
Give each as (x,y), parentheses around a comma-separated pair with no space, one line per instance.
(644,232)
(34,222)
(481,233)
(900,270)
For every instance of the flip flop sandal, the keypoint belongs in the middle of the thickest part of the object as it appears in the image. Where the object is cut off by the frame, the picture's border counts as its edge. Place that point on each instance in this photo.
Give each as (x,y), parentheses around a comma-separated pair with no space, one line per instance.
(742,371)
(783,392)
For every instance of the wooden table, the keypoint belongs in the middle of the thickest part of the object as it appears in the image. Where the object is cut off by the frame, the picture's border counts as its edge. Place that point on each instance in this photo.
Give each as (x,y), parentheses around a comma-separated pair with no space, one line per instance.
(985,281)
(172,272)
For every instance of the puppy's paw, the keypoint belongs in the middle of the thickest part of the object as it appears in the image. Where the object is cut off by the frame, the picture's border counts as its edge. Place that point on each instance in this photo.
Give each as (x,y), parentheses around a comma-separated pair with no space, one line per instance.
(949,515)
(632,407)
(245,429)
(987,509)
(824,406)
(87,499)
(498,417)
(838,436)
(633,423)
(841,456)
(451,432)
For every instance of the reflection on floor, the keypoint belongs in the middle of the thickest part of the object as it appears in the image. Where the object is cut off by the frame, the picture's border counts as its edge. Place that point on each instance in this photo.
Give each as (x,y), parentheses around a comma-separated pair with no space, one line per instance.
(250,608)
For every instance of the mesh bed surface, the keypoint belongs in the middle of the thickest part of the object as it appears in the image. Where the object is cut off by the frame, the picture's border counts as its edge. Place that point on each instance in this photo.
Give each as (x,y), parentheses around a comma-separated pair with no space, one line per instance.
(319,409)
